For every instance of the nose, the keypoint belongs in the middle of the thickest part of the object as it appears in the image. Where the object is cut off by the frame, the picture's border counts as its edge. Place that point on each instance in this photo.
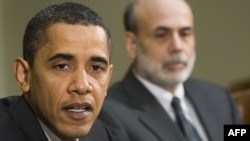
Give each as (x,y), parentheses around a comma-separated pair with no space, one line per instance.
(176,43)
(80,83)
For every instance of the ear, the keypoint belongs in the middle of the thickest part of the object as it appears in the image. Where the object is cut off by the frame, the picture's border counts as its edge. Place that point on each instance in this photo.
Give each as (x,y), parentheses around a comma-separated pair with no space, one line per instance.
(130,44)
(21,71)
(110,71)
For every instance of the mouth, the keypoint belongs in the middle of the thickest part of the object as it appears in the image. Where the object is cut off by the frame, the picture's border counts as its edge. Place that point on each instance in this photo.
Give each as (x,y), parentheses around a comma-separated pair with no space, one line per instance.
(175,66)
(78,111)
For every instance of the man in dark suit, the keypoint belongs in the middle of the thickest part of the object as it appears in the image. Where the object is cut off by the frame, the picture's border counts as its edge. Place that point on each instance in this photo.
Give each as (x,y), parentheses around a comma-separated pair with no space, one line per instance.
(64,75)
(18,123)
(160,40)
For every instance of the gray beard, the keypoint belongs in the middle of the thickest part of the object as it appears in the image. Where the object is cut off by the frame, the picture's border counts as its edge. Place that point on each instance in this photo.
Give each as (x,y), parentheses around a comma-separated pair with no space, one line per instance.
(153,71)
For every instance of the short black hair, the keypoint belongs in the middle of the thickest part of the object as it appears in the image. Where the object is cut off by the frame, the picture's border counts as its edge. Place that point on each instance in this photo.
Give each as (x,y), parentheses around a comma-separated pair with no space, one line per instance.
(64,12)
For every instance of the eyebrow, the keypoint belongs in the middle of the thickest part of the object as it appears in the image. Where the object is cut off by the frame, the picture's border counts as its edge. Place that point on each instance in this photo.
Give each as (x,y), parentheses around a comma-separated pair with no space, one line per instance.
(99,59)
(65,56)
(187,28)
(167,28)
(162,28)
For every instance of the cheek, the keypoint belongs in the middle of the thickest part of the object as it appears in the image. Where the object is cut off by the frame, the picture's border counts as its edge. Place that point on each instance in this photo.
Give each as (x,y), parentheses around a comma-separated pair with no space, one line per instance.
(57,93)
(51,87)
(157,56)
(50,91)
(190,52)
(103,80)
(100,91)
(191,48)
(99,95)
(154,52)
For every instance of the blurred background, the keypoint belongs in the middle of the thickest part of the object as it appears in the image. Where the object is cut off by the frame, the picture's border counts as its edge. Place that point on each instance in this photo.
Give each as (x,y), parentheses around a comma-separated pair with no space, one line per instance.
(222,35)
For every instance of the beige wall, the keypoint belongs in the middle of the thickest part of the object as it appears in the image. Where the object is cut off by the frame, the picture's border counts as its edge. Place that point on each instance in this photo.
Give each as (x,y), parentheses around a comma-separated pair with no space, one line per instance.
(222,29)
(223,40)
(2,57)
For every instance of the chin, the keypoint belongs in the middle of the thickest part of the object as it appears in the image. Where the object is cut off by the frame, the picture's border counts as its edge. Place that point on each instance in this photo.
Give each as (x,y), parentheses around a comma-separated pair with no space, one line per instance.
(75,131)
(74,134)
(177,78)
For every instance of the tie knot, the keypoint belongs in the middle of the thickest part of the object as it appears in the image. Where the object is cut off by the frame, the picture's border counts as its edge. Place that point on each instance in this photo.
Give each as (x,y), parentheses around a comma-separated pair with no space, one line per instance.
(176,104)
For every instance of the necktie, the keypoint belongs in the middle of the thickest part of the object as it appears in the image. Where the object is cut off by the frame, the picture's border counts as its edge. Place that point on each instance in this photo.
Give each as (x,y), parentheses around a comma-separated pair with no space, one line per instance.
(186,127)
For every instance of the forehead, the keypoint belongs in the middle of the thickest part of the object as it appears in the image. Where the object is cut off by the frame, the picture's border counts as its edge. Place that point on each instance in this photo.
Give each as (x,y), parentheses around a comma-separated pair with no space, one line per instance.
(171,13)
(79,40)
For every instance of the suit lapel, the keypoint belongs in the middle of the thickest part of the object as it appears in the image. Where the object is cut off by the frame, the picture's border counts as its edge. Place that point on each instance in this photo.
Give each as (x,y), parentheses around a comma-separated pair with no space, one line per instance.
(198,97)
(154,117)
(27,122)
(161,125)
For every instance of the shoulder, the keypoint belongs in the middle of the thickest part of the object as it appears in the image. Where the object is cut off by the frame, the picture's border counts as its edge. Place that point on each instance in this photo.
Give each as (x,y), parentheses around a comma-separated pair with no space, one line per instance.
(203,84)
(8,128)
(8,101)
(208,90)
(117,92)
(120,87)
(115,87)
(7,104)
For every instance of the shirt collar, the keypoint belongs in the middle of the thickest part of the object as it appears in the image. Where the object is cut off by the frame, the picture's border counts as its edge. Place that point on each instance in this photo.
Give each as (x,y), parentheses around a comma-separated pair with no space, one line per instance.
(163,96)
(155,89)
(50,135)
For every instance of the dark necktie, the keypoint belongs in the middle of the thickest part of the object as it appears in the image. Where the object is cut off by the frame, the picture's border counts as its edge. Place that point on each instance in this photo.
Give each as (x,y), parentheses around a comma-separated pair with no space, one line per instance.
(186,127)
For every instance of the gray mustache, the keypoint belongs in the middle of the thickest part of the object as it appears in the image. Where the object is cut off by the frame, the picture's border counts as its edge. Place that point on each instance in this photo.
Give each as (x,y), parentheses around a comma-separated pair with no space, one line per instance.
(176,58)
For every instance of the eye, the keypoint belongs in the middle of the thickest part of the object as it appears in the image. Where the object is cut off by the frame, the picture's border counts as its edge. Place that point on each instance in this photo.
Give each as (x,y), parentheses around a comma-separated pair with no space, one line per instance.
(186,32)
(160,34)
(97,68)
(62,67)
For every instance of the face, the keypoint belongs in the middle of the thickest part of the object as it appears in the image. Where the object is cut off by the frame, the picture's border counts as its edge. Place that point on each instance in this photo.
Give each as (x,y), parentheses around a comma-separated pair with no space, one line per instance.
(163,47)
(67,85)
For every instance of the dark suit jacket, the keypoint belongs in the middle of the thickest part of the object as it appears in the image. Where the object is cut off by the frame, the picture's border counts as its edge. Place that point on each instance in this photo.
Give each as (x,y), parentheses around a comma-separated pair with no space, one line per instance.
(133,114)
(18,123)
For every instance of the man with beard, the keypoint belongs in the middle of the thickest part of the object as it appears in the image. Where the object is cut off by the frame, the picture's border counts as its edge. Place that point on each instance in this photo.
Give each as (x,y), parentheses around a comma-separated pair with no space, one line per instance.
(160,40)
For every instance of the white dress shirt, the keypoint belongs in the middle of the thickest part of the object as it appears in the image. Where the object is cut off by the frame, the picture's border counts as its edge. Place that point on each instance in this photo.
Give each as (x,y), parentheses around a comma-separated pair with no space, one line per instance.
(165,98)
